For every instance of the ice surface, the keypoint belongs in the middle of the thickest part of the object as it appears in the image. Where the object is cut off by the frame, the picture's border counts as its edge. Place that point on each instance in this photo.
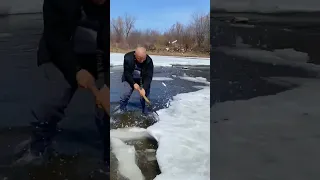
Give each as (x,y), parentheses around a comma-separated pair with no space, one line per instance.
(275,128)
(288,57)
(198,87)
(126,160)
(286,54)
(161,79)
(20,6)
(116,59)
(195,79)
(132,133)
(183,135)
(266,6)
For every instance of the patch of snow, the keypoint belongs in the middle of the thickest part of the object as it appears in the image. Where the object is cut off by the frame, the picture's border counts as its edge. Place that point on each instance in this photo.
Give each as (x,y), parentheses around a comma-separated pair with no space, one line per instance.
(162,79)
(288,53)
(116,59)
(132,133)
(288,57)
(198,87)
(292,55)
(183,135)
(195,79)
(126,159)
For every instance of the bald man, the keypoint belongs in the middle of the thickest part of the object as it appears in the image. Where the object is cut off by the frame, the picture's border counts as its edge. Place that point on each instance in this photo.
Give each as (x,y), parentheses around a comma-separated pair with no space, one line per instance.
(137,75)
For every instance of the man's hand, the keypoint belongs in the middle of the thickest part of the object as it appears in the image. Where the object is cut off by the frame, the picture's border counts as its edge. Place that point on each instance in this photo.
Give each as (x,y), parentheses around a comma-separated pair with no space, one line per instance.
(142,92)
(103,99)
(136,87)
(85,79)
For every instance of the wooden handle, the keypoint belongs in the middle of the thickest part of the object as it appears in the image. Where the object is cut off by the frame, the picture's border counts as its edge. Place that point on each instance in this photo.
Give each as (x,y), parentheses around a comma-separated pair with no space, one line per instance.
(146,99)
(96,92)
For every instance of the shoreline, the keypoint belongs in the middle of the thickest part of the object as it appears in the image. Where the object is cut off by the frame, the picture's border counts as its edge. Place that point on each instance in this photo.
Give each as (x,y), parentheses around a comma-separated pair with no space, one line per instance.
(190,55)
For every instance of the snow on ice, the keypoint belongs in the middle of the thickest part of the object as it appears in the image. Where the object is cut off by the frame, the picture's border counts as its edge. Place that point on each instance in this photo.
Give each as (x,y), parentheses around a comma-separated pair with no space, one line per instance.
(183,135)
(288,57)
(116,59)
(126,159)
(161,79)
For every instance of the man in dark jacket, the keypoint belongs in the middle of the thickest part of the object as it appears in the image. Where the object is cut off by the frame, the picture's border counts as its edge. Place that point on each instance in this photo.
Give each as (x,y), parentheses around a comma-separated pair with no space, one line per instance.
(137,75)
(63,74)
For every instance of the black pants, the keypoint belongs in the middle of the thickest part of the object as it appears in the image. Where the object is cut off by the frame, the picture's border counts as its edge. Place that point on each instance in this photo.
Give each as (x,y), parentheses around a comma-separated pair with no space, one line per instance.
(126,94)
(48,110)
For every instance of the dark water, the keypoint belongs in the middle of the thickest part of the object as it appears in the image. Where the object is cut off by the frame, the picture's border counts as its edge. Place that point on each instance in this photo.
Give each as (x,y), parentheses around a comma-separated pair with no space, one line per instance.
(160,96)
(253,147)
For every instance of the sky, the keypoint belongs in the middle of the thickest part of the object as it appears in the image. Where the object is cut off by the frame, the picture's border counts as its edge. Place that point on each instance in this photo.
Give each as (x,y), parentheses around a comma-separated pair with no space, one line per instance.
(159,15)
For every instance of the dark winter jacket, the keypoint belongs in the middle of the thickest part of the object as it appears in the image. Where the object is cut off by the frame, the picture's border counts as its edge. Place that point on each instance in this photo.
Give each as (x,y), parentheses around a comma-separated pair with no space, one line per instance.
(146,70)
(61,19)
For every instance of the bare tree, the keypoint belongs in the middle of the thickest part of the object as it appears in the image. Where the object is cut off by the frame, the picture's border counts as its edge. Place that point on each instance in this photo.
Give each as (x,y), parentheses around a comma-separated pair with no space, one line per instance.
(201,24)
(129,22)
(179,28)
(134,39)
(118,27)
(192,37)
(188,39)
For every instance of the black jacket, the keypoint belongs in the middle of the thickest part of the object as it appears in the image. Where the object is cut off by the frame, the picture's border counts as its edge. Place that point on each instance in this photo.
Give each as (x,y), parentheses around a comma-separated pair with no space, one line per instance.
(61,19)
(146,70)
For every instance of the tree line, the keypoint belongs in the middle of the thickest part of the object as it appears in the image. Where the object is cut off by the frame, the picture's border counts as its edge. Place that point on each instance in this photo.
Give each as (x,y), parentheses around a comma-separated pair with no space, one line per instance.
(191,37)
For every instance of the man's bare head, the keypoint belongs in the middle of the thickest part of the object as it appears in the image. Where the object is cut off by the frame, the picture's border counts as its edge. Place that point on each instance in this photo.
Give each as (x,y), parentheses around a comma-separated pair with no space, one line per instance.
(140,54)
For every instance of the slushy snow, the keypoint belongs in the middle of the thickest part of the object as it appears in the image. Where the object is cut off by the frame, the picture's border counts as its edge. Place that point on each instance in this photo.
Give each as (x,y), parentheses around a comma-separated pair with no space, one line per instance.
(161,79)
(183,135)
(195,79)
(127,134)
(116,59)
(126,156)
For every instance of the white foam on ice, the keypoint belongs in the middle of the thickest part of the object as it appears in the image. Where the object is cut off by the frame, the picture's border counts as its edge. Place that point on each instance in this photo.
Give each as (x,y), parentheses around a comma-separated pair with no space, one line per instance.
(116,59)
(183,135)
(162,79)
(195,79)
(126,156)
(198,87)
(287,57)
(131,133)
